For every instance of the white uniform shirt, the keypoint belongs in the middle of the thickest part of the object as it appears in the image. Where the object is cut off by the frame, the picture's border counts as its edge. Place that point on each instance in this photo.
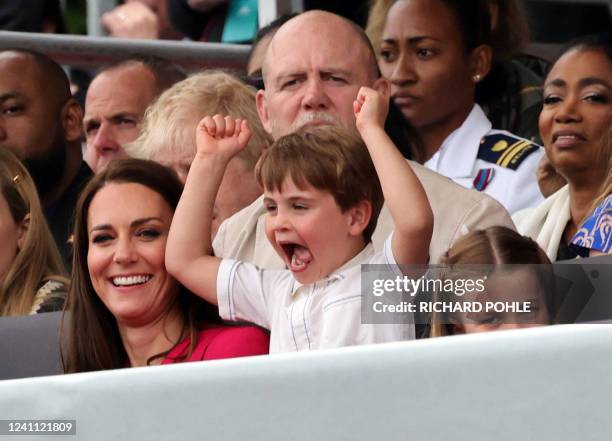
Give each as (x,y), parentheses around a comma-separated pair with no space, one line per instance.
(458,159)
(325,314)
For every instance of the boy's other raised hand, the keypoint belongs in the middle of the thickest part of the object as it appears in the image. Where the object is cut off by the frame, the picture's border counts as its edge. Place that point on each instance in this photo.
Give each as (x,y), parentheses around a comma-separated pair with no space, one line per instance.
(222,136)
(371,108)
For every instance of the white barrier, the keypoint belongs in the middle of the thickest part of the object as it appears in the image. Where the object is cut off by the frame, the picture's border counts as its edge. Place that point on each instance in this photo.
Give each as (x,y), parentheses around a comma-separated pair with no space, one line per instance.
(536,384)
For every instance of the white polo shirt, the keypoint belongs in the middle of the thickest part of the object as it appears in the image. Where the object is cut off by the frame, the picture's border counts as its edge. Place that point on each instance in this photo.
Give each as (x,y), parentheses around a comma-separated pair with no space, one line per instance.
(324,314)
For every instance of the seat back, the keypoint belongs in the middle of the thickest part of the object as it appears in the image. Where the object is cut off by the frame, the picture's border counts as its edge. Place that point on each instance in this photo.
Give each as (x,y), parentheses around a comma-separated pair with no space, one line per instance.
(29,345)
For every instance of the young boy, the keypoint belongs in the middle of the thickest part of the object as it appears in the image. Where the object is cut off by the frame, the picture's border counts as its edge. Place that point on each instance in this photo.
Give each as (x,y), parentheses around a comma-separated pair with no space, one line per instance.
(323,197)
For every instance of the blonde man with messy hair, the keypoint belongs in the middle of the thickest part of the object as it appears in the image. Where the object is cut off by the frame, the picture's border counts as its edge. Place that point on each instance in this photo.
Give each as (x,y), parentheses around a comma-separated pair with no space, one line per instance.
(168,135)
(31,268)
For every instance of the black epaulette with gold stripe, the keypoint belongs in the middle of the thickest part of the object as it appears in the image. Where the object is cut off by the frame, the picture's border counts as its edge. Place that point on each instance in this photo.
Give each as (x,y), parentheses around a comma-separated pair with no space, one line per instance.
(505,150)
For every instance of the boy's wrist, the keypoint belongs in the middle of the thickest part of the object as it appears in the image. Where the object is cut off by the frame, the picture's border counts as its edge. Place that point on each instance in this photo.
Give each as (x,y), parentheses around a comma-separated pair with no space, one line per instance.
(370,129)
(217,159)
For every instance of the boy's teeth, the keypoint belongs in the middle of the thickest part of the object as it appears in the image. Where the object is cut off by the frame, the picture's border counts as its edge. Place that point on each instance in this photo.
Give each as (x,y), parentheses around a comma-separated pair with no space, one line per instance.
(295,260)
(297,264)
(130,280)
(300,258)
(302,254)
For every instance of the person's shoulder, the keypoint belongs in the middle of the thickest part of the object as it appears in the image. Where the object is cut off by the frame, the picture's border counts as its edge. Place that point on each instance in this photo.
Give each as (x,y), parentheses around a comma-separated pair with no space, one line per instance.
(244,219)
(520,217)
(457,210)
(594,232)
(241,331)
(255,209)
(78,183)
(526,219)
(507,150)
(238,341)
(237,226)
(50,296)
(444,189)
(84,175)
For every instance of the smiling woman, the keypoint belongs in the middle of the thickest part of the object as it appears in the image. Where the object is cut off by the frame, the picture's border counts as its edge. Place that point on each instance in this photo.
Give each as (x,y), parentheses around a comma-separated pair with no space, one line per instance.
(575,125)
(126,310)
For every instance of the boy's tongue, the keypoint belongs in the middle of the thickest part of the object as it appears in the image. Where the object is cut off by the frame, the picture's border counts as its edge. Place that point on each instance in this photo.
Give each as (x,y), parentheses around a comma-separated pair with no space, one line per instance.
(300,259)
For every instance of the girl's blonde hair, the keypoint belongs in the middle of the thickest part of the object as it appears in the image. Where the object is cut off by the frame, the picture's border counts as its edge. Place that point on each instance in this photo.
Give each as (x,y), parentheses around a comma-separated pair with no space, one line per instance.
(185,103)
(38,260)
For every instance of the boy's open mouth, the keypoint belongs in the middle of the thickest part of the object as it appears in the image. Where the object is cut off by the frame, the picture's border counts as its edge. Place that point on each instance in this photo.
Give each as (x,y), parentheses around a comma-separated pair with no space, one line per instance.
(298,256)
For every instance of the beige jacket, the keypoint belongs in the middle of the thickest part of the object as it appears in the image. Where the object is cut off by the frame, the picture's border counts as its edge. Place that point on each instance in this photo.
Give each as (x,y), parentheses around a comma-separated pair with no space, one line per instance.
(456,210)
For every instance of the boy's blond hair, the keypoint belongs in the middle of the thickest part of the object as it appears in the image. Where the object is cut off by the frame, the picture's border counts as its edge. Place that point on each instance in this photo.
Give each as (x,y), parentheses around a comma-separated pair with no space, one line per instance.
(185,103)
(329,159)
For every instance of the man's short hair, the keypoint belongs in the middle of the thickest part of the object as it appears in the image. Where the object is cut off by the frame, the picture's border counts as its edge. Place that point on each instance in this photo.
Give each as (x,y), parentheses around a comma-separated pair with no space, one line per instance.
(372,64)
(270,29)
(165,72)
(54,77)
(374,70)
(327,158)
(205,93)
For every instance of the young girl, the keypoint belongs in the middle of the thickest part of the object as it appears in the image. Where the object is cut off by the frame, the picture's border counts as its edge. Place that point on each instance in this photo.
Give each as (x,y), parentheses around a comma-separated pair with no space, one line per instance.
(517,280)
(30,265)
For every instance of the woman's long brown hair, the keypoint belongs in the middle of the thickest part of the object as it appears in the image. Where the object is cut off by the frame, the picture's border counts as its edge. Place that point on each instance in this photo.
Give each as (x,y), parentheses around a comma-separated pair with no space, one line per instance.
(91,339)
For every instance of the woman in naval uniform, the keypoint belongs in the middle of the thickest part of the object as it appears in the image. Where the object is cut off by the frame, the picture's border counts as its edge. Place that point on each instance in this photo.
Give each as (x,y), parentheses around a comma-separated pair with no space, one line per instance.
(435,53)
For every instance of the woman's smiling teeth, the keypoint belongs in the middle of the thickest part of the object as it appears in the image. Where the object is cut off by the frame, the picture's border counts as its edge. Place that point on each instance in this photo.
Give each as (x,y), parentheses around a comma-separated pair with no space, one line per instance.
(131,280)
